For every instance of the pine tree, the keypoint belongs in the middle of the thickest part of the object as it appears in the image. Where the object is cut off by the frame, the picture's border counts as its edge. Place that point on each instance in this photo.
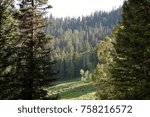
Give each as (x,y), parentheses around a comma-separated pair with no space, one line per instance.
(102,76)
(33,68)
(131,72)
(8,35)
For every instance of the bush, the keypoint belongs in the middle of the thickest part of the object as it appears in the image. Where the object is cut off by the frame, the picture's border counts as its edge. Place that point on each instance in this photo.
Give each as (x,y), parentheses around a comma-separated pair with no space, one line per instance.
(86,76)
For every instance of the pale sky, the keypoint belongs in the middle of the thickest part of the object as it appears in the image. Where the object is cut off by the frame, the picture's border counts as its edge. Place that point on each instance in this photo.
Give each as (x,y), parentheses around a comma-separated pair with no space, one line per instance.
(75,8)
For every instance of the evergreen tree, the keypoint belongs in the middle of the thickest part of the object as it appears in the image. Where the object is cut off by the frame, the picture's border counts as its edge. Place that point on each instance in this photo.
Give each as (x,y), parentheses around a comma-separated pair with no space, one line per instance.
(102,76)
(7,49)
(131,72)
(33,68)
(79,36)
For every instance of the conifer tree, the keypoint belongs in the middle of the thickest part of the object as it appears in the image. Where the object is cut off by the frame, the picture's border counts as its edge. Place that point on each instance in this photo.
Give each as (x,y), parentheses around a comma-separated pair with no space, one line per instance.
(33,68)
(131,72)
(102,76)
(7,49)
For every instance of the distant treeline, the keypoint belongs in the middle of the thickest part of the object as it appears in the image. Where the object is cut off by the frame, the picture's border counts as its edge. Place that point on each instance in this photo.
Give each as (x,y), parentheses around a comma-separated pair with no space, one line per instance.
(75,40)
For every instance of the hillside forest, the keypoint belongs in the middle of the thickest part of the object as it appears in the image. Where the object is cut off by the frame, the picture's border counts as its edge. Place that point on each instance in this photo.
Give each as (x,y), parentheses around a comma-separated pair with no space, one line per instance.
(105,55)
(75,40)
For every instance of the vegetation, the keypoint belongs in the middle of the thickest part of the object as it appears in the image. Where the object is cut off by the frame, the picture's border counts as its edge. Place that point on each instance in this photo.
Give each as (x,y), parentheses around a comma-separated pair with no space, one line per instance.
(128,75)
(27,72)
(118,47)
(34,64)
(8,32)
(102,75)
(76,40)
(73,89)
(86,76)
(131,71)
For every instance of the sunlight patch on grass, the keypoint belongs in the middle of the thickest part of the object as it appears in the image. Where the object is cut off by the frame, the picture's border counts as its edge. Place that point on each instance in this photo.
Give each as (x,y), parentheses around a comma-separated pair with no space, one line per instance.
(73,90)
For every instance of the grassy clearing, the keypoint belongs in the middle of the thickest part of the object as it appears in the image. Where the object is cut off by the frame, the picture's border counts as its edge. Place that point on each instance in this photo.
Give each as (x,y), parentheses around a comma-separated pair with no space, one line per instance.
(73,90)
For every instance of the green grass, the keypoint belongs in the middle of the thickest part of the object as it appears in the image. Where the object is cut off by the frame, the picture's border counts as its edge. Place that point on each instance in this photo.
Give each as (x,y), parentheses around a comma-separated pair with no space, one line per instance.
(73,90)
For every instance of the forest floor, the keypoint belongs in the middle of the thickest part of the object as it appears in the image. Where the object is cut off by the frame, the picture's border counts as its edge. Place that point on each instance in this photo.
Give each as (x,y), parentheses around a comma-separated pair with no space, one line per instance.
(73,90)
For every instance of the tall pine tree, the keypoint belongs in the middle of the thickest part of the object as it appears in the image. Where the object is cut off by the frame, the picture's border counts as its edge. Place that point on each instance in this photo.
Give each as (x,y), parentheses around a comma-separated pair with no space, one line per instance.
(131,73)
(33,67)
(8,32)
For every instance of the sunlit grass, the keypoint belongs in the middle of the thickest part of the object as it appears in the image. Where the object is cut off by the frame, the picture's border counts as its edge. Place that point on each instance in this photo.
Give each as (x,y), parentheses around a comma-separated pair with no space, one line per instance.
(73,90)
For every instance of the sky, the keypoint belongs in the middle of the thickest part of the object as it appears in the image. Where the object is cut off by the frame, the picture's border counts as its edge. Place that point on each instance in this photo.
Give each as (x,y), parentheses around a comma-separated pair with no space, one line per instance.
(75,8)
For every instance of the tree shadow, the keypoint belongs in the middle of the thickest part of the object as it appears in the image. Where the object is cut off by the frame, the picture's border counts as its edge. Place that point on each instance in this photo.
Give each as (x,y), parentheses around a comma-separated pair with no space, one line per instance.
(77,92)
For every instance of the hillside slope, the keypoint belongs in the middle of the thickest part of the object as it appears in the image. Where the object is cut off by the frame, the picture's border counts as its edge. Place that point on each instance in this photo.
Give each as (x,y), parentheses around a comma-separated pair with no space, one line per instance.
(73,90)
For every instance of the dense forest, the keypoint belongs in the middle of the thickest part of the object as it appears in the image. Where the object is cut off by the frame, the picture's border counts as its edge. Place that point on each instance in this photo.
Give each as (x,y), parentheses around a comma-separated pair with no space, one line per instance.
(75,40)
(25,63)
(124,72)
(105,55)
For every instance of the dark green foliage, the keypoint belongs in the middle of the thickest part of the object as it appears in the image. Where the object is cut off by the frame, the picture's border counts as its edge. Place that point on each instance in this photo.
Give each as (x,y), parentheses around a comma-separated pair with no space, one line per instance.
(33,71)
(131,71)
(7,49)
